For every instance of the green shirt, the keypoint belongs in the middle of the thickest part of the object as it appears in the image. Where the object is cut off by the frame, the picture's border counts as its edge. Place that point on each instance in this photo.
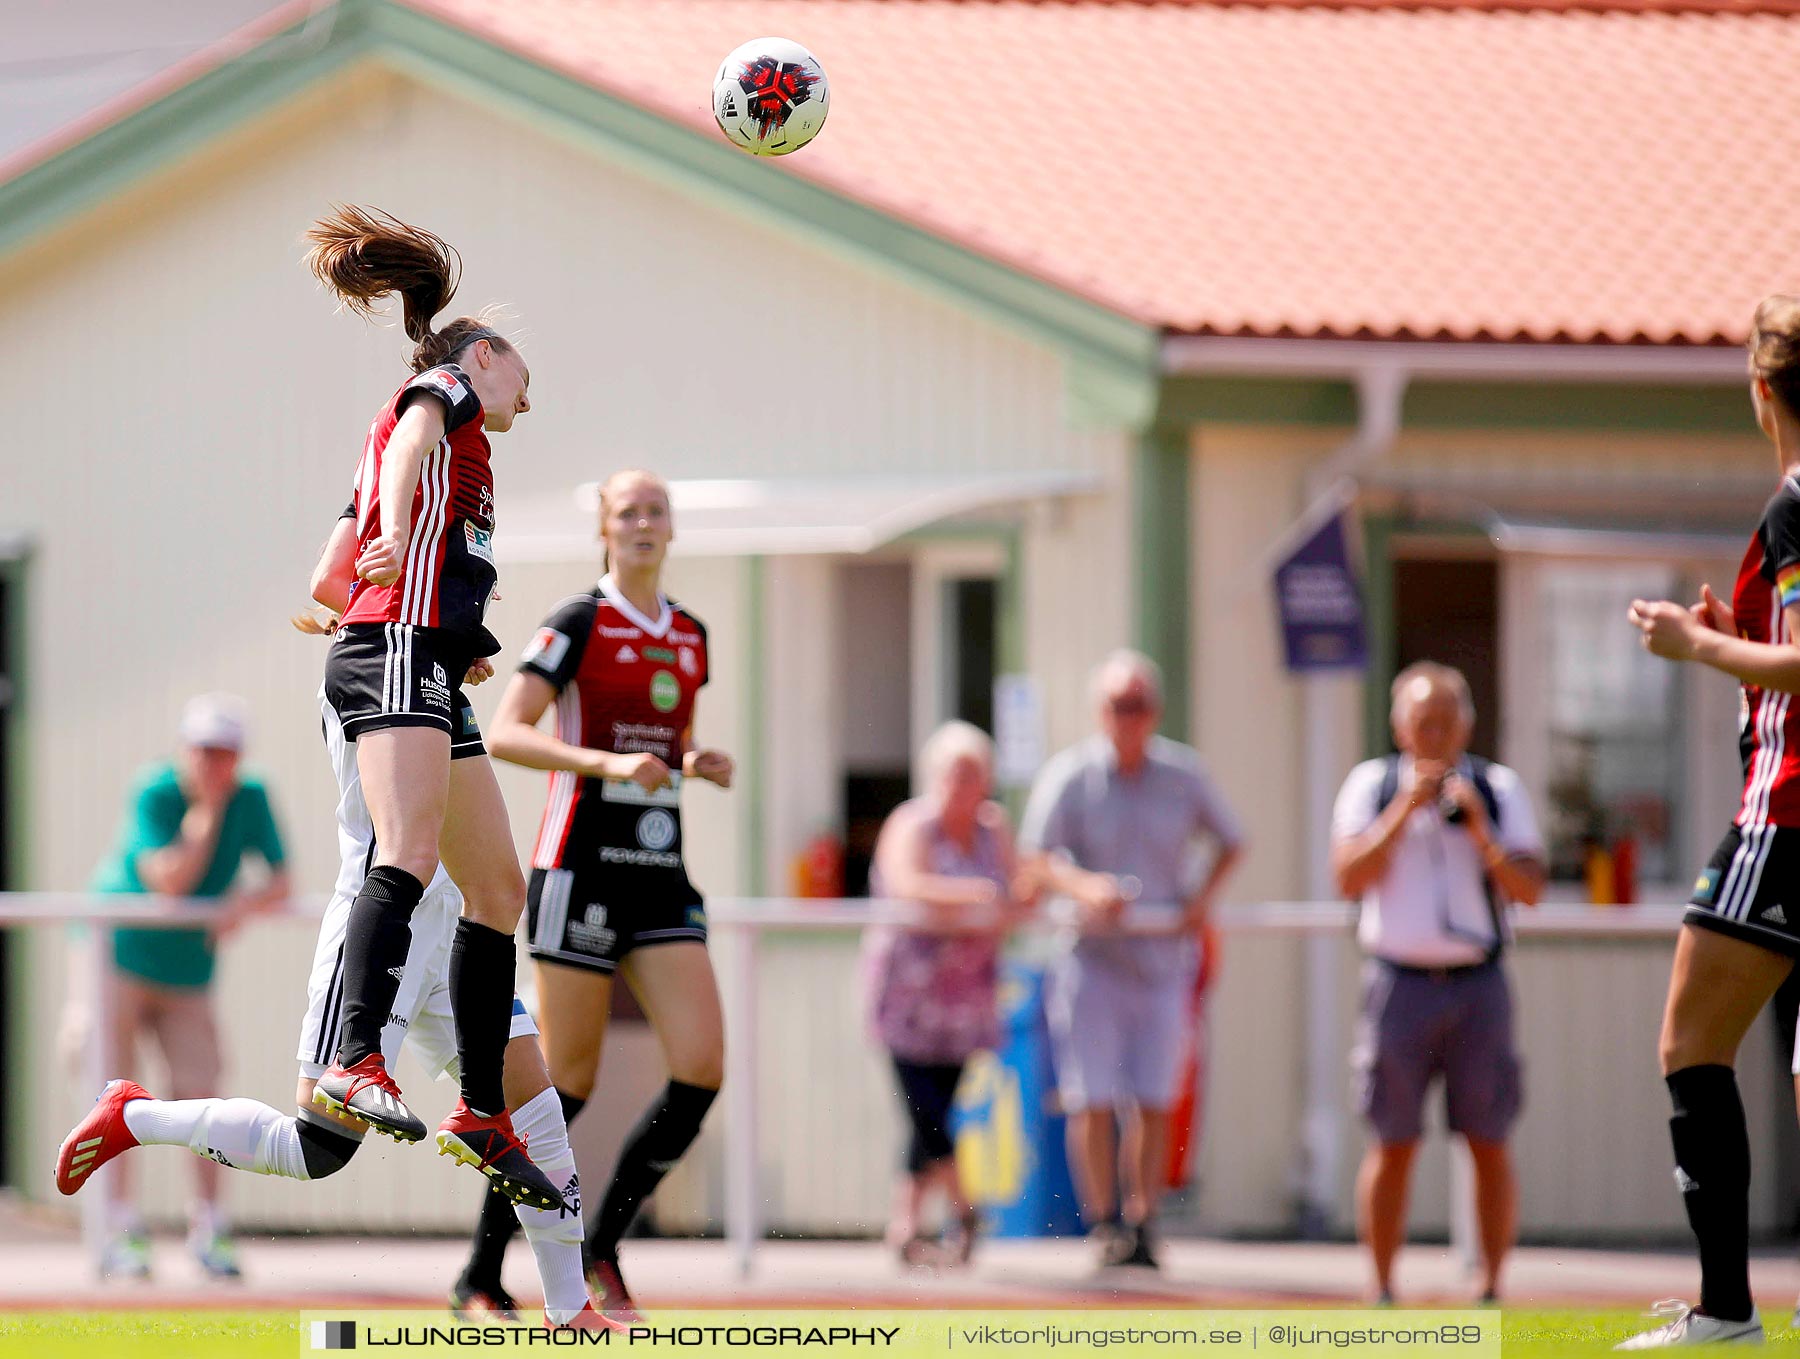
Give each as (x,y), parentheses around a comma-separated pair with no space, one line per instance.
(182,957)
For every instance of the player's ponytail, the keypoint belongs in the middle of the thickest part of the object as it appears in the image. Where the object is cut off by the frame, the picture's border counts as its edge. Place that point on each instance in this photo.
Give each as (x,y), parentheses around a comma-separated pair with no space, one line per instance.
(365,254)
(1775,347)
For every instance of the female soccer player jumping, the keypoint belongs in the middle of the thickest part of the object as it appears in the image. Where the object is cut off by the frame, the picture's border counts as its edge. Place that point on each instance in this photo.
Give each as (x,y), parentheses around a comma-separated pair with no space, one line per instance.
(1738,941)
(609,887)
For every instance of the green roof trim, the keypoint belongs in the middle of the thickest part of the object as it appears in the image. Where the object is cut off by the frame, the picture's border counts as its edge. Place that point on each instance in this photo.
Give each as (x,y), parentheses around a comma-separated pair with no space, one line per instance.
(181,122)
(1094,339)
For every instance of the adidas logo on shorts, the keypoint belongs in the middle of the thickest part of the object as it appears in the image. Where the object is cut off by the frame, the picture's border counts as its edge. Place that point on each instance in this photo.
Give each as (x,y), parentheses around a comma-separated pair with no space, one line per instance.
(1685,1182)
(1775,915)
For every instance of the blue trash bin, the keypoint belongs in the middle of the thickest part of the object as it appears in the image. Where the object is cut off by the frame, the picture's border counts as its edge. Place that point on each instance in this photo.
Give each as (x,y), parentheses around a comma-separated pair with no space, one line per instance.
(1008,1128)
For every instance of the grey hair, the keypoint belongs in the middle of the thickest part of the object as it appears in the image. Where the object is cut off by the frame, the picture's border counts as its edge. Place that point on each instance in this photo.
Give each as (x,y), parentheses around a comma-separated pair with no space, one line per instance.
(1440,676)
(1134,663)
(950,743)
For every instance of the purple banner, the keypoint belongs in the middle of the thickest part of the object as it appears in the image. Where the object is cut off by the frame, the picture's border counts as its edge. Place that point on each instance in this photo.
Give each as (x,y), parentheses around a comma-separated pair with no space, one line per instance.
(1320,603)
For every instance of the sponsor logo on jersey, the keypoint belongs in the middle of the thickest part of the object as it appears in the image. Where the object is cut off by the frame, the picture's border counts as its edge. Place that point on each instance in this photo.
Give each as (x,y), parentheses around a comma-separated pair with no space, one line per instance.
(633,633)
(546,649)
(641,736)
(448,382)
(689,665)
(665,692)
(625,655)
(659,653)
(480,541)
(675,638)
(639,858)
(656,829)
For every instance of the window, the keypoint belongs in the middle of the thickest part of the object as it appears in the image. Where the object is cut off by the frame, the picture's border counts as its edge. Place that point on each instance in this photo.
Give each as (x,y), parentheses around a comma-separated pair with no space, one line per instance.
(1613,710)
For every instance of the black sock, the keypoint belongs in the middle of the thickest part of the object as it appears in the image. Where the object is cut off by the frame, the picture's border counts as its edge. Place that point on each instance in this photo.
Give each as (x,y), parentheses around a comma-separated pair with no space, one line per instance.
(667,1129)
(1712,1166)
(376,938)
(481,997)
(496,1226)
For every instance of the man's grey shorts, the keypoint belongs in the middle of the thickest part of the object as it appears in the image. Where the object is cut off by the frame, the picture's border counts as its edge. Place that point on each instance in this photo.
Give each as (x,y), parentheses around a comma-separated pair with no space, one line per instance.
(1417,1025)
(1118,1035)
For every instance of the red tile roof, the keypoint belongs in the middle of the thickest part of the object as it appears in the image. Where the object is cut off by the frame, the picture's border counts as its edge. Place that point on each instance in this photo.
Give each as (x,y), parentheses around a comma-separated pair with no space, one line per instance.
(1275,170)
(1471,169)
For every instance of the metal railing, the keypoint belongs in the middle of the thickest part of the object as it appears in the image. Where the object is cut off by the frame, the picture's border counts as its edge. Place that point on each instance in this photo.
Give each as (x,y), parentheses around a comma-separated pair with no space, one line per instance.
(738,924)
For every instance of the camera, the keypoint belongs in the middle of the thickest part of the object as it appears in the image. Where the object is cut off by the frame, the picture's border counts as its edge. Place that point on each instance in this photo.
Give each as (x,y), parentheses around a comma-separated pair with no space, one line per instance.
(1453,812)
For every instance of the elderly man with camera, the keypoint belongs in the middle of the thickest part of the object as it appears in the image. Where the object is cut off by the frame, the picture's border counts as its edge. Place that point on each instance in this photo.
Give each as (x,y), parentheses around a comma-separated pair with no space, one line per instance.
(1435,843)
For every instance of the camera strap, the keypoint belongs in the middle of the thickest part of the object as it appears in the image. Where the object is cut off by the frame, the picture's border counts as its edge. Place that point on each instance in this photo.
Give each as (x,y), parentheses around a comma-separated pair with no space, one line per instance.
(1477,771)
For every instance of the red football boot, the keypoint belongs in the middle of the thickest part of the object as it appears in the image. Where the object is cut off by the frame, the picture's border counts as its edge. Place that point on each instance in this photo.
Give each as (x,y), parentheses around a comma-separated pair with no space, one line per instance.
(607,1286)
(587,1319)
(99,1137)
(493,1148)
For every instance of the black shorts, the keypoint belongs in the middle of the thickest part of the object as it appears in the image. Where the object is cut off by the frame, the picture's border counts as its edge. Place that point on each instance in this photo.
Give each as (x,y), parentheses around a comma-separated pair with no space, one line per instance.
(575,920)
(1750,889)
(382,675)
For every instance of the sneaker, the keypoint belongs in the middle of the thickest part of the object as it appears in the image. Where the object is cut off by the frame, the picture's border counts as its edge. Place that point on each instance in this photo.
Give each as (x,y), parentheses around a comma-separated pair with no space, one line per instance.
(493,1148)
(1691,1326)
(98,1138)
(216,1253)
(587,1319)
(608,1288)
(491,1302)
(127,1256)
(1140,1252)
(1114,1242)
(366,1091)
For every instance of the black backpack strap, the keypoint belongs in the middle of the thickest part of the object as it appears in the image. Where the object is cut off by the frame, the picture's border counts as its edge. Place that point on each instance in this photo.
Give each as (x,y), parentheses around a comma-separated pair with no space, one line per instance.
(1390,783)
(1484,789)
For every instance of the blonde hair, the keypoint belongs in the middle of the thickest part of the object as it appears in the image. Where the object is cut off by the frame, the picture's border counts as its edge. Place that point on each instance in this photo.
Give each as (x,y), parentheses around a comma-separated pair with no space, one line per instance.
(607,485)
(952,742)
(1775,347)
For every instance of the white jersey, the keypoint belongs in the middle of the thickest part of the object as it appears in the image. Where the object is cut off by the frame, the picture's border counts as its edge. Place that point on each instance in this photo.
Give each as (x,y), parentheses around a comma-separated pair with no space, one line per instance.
(422,1012)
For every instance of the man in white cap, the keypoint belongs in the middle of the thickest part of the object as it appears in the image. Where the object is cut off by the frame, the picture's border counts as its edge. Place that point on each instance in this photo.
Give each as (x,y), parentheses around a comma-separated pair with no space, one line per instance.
(189,825)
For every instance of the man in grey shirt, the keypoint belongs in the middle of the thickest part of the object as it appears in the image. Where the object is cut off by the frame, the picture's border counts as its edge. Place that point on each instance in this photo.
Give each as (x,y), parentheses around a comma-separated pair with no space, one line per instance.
(1114,820)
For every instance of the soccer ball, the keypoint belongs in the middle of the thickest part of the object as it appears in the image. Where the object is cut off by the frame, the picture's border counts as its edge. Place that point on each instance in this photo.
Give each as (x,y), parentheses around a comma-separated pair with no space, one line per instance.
(771,97)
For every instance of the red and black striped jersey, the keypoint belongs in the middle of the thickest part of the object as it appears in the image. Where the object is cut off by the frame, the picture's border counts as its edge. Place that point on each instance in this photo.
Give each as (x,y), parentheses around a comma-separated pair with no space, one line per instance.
(1768,724)
(624,682)
(449,574)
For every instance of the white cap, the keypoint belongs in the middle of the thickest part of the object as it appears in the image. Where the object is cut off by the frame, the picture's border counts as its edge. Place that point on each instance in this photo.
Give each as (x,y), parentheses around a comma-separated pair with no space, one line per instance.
(215,721)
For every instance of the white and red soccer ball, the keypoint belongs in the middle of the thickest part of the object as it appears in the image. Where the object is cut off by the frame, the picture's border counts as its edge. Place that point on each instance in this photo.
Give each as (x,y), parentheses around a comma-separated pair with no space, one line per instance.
(771,97)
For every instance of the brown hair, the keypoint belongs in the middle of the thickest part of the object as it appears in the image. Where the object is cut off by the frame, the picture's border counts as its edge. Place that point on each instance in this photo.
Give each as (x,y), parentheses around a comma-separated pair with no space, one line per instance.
(1775,347)
(364,254)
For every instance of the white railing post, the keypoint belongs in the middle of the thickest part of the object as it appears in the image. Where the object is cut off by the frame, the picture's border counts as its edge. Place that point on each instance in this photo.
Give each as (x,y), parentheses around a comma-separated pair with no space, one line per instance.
(743,1203)
(96,1204)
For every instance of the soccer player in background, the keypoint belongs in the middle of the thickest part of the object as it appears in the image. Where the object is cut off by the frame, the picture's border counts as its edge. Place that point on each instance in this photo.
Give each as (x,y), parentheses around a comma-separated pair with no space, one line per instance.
(609,889)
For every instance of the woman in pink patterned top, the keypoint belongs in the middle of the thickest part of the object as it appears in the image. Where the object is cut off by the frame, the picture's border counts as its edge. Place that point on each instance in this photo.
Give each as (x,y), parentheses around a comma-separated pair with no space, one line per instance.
(931,986)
